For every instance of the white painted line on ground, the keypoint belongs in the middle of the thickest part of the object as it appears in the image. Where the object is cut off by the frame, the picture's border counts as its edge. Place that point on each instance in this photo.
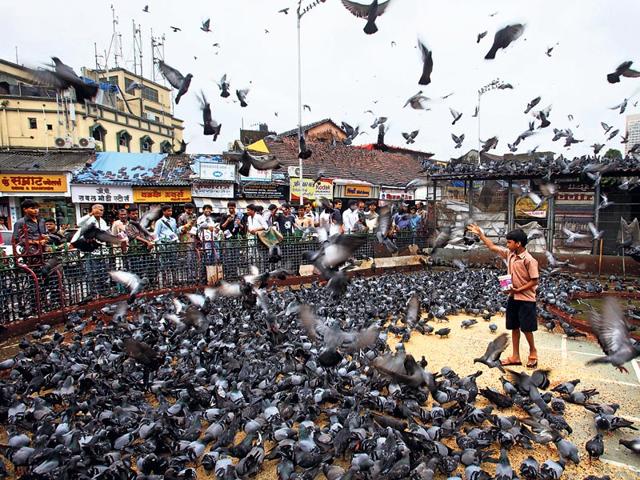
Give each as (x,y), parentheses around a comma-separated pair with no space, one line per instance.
(563,347)
(586,353)
(620,464)
(617,382)
(636,368)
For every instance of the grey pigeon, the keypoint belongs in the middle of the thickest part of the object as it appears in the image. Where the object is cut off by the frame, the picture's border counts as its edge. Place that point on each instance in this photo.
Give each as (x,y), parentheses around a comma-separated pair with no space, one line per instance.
(175,79)
(613,336)
(503,39)
(623,70)
(491,357)
(427,64)
(370,12)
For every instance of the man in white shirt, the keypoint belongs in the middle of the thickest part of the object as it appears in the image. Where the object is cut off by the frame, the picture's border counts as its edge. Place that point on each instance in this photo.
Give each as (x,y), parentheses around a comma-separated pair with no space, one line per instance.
(96,268)
(255,224)
(208,233)
(350,217)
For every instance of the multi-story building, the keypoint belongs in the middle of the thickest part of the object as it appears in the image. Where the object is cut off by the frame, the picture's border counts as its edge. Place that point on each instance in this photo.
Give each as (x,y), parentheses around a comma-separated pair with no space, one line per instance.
(125,117)
(633,132)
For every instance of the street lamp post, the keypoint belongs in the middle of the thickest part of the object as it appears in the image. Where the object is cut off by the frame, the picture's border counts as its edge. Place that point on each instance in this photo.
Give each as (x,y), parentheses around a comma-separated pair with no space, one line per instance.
(496,84)
(300,12)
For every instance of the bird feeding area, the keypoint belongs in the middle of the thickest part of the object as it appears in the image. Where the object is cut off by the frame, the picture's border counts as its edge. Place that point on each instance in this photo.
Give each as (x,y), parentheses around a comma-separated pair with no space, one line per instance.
(238,391)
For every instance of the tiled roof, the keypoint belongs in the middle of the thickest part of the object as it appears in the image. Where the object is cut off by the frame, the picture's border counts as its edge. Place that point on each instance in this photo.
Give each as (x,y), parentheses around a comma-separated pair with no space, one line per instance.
(342,161)
(294,132)
(45,161)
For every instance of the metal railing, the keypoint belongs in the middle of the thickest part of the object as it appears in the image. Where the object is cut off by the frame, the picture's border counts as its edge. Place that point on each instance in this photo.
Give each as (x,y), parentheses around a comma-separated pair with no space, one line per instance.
(44,283)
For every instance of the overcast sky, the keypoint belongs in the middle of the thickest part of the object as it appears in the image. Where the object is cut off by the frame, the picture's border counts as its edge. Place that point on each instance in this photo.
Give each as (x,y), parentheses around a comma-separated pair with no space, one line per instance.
(346,72)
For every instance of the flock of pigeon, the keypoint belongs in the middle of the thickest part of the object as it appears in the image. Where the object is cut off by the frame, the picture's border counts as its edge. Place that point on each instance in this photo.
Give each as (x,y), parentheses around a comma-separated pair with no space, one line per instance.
(241,374)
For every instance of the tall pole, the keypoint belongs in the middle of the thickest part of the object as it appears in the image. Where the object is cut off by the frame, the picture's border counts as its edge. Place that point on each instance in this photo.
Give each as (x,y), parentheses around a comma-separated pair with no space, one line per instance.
(299,17)
(479,113)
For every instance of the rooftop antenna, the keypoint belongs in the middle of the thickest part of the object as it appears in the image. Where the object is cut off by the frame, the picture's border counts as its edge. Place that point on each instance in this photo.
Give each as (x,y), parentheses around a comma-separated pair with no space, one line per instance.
(157,53)
(115,43)
(137,48)
(17,60)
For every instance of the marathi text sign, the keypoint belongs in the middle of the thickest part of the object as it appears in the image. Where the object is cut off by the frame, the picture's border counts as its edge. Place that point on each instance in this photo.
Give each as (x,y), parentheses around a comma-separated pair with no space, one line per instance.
(357,191)
(101,194)
(308,189)
(392,194)
(525,208)
(162,195)
(216,190)
(27,182)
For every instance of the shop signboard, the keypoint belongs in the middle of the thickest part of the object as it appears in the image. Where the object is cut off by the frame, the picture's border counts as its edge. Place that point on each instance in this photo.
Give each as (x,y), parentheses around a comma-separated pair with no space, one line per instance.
(213,190)
(218,171)
(101,194)
(395,194)
(357,191)
(161,194)
(324,188)
(21,183)
(308,189)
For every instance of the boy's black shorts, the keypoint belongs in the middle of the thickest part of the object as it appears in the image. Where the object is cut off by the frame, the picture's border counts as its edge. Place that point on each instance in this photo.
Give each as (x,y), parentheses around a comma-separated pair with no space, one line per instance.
(521,315)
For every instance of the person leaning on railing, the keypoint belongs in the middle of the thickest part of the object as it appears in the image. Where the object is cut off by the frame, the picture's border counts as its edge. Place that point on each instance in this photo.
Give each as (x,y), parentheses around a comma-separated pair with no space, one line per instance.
(29,232)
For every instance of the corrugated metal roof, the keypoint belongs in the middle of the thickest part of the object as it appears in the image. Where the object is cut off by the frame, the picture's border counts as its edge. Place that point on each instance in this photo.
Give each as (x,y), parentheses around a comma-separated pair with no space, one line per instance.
(138,169)
(45,161)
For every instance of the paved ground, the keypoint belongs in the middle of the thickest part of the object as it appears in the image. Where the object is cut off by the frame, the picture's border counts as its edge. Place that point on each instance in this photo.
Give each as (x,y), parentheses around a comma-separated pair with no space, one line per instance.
(566,358)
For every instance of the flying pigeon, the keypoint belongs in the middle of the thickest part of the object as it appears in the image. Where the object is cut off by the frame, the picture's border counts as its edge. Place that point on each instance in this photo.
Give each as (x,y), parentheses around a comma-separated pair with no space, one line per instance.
(63,77)
(503,39)
(613,335)
(481,36)
(370,12)
(410,137)
(623,70)
(456,115)
(242,96)
(427,64)
(205,25)
(458,140)
(211,127)
(532,104)
(418,102)
(175,79)
(223,84)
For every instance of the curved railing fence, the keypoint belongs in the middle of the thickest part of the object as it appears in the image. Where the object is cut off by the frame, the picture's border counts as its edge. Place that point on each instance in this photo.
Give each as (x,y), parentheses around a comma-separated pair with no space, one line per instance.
(33,286)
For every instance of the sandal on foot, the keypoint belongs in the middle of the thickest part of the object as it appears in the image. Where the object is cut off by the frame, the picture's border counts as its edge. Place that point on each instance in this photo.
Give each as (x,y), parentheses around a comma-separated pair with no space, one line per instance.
(532,362)
(508,362)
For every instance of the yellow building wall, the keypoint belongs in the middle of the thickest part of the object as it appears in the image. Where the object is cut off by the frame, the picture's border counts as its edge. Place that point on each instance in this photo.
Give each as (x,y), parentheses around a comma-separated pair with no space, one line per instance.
(16,128)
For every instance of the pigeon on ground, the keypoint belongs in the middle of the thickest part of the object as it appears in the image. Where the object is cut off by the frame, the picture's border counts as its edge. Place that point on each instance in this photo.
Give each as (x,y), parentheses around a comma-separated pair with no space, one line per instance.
(175,79)
(503,39)
(370,12)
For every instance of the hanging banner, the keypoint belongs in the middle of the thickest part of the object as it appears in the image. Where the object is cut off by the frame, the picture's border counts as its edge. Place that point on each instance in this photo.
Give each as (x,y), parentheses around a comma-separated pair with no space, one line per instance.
(218,171)
(101,194)
(324,188)
(308,189)
(27,182)
(214,190)
(525,208)
(161,195)
(393,194)
(357,191)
